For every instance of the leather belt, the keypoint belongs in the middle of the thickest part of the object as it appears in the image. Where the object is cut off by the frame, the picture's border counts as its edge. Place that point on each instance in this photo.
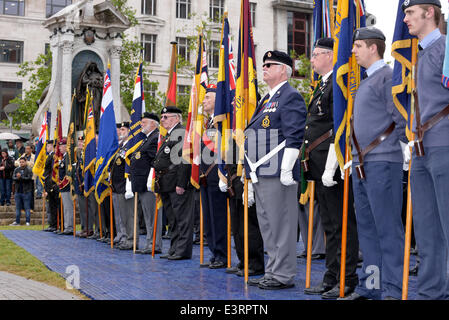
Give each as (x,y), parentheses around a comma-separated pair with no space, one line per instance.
(420,129)
(203,177)
(362,153)
(313,145)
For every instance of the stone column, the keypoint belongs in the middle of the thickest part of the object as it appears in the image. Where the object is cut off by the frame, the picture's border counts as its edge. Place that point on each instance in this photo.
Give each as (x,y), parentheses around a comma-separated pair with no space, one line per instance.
(66,80)
(114,53)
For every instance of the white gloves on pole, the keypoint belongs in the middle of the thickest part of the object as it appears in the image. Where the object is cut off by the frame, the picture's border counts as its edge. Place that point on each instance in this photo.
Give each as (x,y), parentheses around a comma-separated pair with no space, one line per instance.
(407,153)
(331,165)
(250,195)
(223,186)
(129,192)
(149,180)
(288,161)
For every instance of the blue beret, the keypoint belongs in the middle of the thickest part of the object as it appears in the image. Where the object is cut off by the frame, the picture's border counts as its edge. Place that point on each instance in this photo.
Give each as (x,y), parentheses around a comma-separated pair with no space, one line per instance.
(409,3)
(368,33)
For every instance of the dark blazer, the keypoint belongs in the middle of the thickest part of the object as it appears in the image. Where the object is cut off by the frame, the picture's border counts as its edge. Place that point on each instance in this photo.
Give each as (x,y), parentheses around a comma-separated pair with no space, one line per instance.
(174,174)
(141,161)
(320,119)
(282,118)
(25,179)
(118,180)
(209,157)
(49,184)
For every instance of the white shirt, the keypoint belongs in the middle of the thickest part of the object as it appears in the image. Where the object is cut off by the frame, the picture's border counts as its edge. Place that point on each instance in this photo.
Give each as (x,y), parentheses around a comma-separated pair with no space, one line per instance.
(275,89)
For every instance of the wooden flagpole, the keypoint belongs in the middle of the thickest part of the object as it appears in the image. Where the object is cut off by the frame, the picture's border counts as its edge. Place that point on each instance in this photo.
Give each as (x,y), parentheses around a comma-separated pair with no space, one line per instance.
(155,225)
(202,264)
(229,233)
(43,211)
(245,230)
(99,219)
(310,233)
(135,223)
(74,218)
(62,214)
(111,220)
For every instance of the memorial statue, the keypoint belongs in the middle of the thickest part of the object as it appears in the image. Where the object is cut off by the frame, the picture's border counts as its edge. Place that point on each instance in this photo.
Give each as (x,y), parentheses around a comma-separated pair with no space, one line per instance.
(90,76)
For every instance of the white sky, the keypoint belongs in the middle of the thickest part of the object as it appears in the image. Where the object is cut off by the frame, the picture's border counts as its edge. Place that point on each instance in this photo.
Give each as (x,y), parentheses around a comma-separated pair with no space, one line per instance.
(385,12)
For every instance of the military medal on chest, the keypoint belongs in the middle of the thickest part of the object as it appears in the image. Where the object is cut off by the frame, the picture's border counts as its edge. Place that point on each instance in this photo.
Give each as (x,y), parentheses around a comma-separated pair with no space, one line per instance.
(167,149)
(118,161)
(138,155)
(266,122)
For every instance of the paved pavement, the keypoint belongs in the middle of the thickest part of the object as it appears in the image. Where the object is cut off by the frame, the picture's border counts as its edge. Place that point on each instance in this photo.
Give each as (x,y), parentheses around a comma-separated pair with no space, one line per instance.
(111,274)
(13,287)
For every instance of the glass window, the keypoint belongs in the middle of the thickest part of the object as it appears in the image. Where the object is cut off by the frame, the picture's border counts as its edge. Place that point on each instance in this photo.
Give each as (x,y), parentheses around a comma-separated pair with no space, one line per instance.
(149,7)
(54,6)
(214,54)
(216,10)
(149,47)
(12,7)
(11,51)
(8,91)
(183,48)
(183,90)
(183,9)
(252,9)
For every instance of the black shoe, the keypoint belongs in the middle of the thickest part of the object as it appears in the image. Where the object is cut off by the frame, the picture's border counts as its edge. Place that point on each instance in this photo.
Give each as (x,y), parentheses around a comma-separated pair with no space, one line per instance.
(273,284)
(353,296)
(125,247)
(318,256)
(334,293)
(67,233)
(217,265)
(165,256)
(176,257)
(255,282)
(232,270)
(94,237)
(166,236)
(58,231)
(319,289)
(302,255)
(251,272)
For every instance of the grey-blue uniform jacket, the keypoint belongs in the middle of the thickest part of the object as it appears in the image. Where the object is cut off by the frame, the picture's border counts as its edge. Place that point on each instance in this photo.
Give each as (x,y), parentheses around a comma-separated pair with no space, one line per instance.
(432,95)
(282,118)
(374,111)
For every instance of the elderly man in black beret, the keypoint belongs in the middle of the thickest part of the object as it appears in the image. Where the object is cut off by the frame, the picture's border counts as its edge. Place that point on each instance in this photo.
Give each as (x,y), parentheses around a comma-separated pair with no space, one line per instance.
(173,185)
(274,136)
(141,163)
(321,167)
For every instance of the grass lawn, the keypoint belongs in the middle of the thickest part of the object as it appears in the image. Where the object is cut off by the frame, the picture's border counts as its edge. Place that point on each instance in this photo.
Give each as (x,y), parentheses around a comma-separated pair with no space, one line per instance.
(16,260)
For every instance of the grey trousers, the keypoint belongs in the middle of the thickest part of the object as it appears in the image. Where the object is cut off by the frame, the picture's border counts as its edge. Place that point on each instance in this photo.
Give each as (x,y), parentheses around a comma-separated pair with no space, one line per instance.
(277,213)
(67,203)
(318,242)
(119,202)
(148,203)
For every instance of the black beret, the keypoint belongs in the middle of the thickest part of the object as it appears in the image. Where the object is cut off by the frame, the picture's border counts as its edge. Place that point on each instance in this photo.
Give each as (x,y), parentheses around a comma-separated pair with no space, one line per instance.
(81,138)
(125,124)
(150,115)
(50,141)
(409,3)
(170,110)
(368,33)
(211,88)
(325,43)
(278,56)
(118,125)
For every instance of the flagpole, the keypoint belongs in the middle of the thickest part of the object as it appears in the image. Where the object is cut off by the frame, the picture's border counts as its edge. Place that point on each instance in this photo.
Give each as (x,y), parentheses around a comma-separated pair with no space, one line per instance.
(135,223)
(409,212)
(43,211)
(62,214)
(111,223)
(229,233)
(74,218)
(99,219)
(202,264)
(310,233)
(155,226)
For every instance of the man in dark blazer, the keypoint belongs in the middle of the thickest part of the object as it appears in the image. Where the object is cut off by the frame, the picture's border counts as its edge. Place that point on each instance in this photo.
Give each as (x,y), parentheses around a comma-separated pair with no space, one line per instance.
(273,138)
(51,190)
(141,161)
(173,185)
(322,168)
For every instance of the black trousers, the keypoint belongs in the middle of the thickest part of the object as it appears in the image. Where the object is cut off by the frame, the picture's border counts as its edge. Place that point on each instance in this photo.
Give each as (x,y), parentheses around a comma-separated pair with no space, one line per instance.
(52,208)
(179,210)
(255,241)
(330,200)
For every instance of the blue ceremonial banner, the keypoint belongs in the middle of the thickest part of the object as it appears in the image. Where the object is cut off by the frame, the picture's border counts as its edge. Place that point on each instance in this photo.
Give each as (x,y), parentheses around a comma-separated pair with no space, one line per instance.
(107,141)
(223,112)
(136,135)
(350,16)
(401,50)
(90,149)
(445,78)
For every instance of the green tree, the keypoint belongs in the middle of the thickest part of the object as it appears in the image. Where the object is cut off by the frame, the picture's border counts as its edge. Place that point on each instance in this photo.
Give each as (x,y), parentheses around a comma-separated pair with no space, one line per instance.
(302,80)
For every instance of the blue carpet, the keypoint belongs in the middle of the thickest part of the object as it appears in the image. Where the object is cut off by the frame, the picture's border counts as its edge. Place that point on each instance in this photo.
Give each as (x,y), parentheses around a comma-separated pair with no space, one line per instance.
(112,274)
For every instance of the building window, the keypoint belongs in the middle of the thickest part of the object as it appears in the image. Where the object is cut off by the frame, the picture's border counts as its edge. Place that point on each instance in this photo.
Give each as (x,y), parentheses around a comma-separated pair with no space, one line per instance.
(183,90)
(183,48)
(149,7)
(152,90)
(252,10)
(11,51)
(12,7)
(214,54)
(216,10)
(8,91)
(298,33)
(54,6)
(183,9)
(149,47)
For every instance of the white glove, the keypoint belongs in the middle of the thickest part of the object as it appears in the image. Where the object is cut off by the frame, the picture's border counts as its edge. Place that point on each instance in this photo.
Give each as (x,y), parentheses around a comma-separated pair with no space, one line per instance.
(330,168)
(223,186)
(250,195)
(346,166)
(407,154)
(128,193)
(288,161)
(149,180)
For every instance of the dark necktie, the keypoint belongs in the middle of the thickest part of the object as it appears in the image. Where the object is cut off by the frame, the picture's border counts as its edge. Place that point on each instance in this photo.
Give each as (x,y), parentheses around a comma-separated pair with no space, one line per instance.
(419,47)
(364,75)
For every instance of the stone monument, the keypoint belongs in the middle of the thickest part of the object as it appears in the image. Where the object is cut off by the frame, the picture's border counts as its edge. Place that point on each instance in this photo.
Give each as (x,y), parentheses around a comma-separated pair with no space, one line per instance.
(85,37)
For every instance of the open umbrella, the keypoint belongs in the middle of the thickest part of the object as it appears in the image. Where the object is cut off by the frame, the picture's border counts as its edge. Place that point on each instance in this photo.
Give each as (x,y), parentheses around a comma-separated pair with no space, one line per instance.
(9,136)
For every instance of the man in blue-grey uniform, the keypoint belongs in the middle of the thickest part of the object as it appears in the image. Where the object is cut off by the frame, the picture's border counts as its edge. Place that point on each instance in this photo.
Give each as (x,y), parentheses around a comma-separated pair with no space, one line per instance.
(429,176)
(273,138)
(377,172)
